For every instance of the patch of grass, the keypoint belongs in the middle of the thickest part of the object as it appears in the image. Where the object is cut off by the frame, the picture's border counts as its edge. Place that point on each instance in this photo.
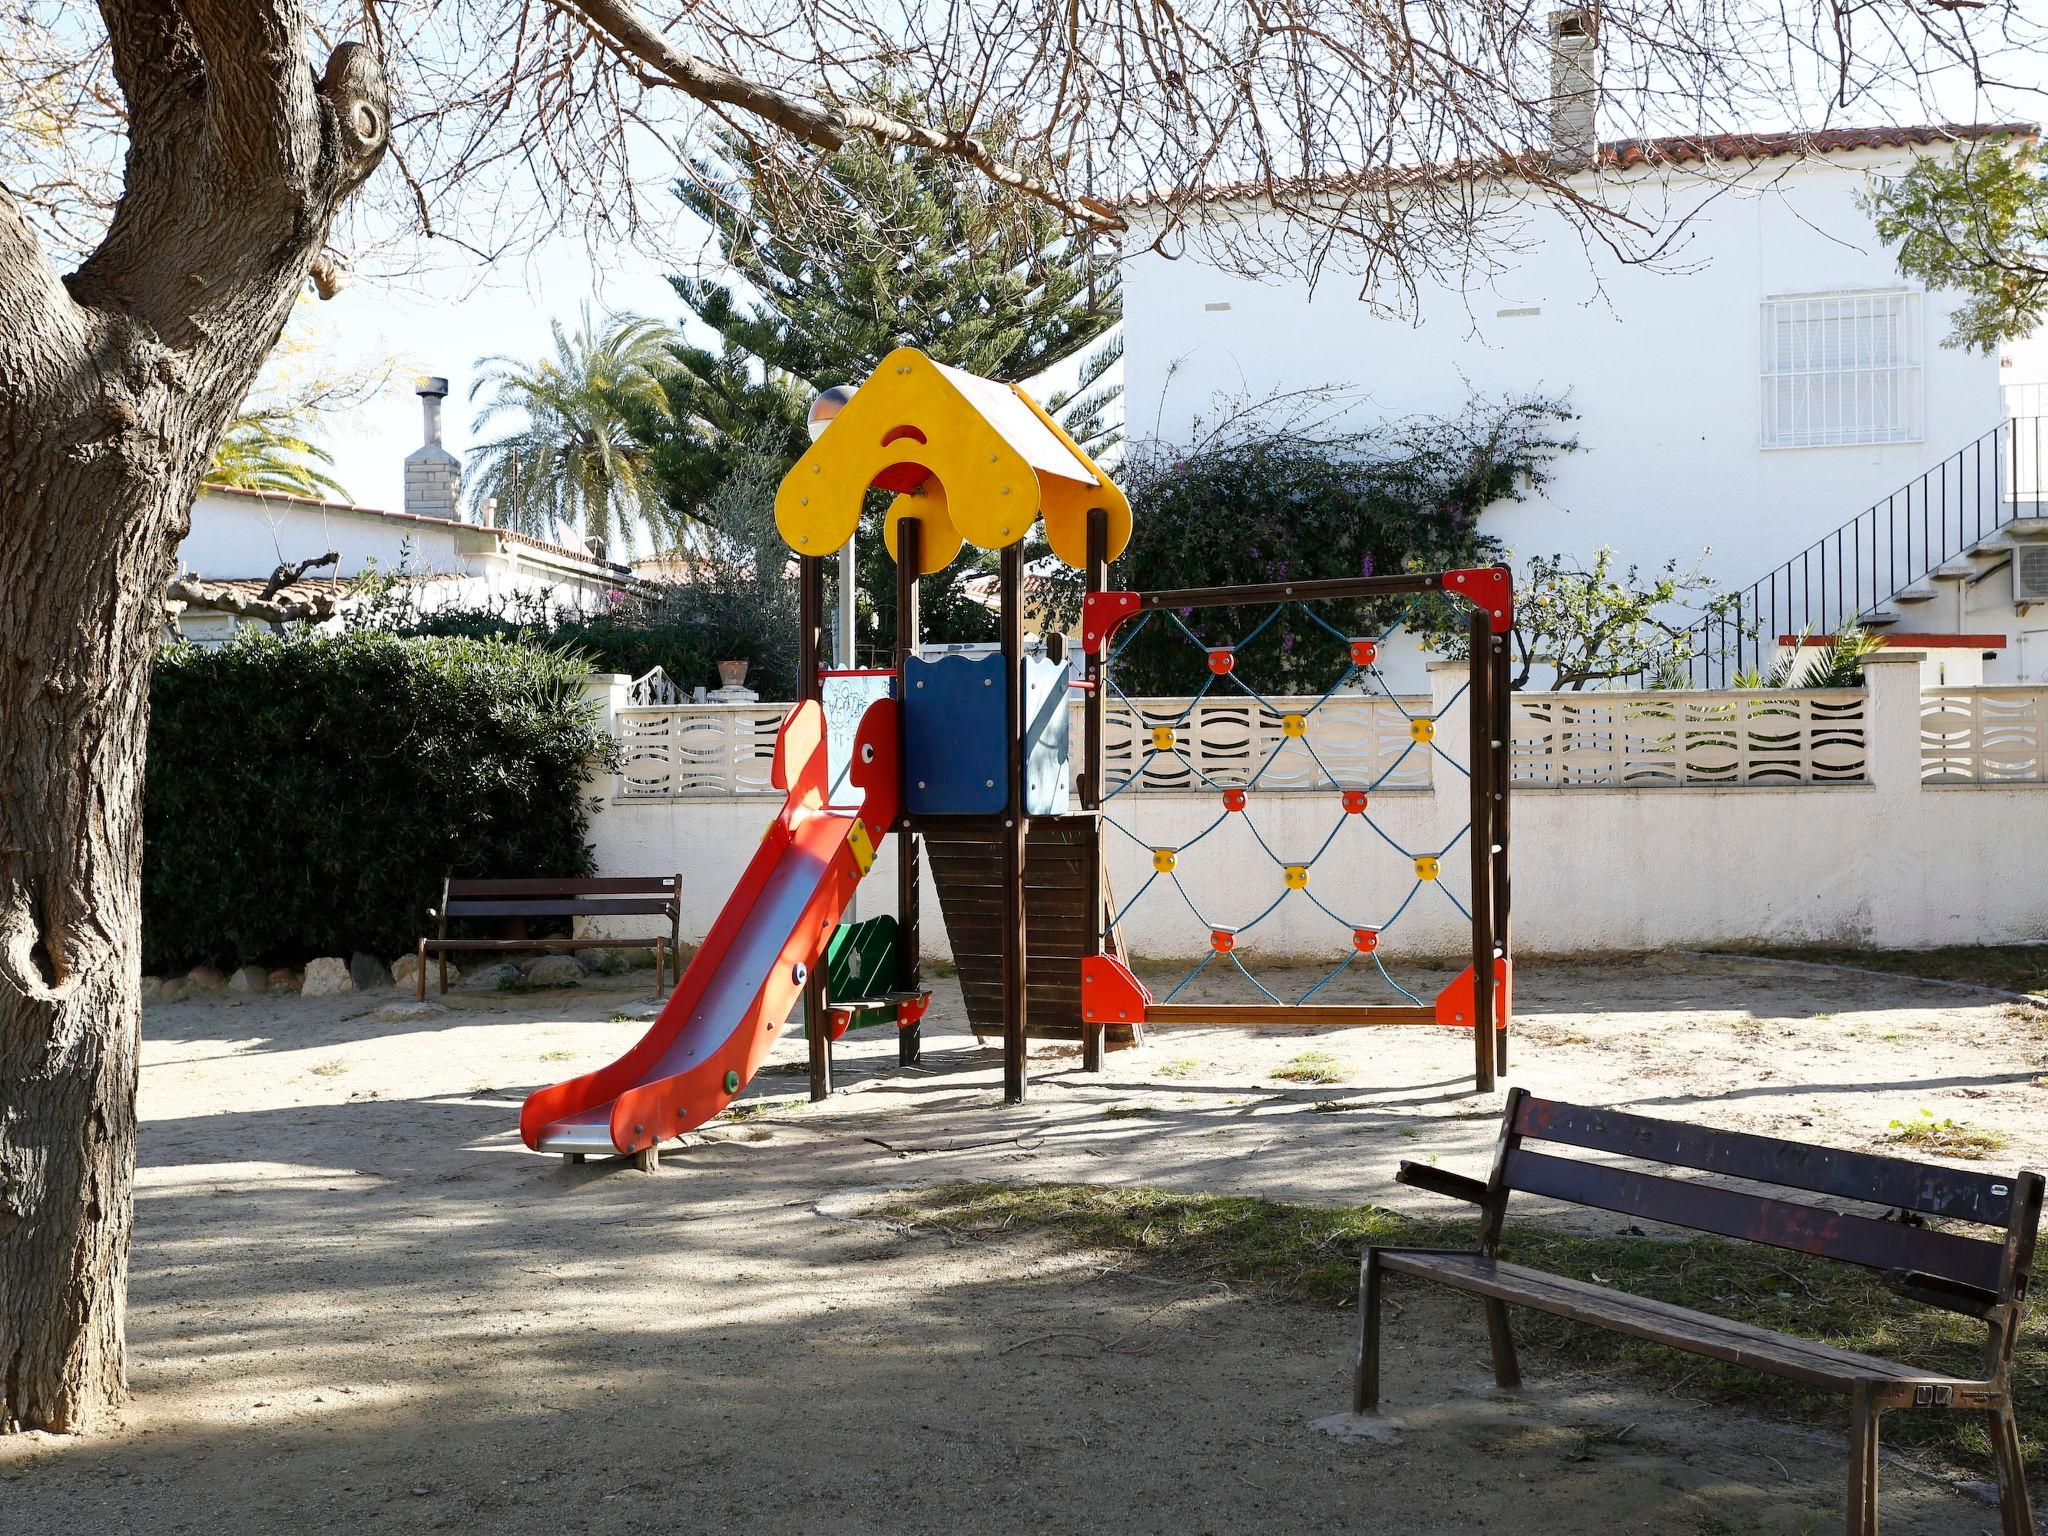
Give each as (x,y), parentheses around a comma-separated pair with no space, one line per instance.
(754,1109)
(1945,1137)
(1309,1254)
(1125,1112)
(557,1055)
(1312,1067)
(2009,967)
(1180,1066)
(329,1069)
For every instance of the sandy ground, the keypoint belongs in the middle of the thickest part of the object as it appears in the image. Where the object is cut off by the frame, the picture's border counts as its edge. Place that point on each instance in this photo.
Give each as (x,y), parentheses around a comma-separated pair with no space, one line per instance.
(357,1301)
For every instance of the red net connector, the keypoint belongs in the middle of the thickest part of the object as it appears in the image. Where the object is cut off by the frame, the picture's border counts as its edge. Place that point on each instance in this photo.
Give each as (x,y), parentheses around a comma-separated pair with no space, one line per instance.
(912,1009)
(1490,588)
(1364,652)
(1355,802)
(1233,800)
(1222,660)
(1365,940)
(1222,940)
(1110,994)
(1101,613)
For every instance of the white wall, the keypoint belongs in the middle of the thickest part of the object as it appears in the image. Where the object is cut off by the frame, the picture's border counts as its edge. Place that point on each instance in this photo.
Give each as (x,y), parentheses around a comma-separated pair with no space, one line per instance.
(1663,368)
(1888,863)
(237,536)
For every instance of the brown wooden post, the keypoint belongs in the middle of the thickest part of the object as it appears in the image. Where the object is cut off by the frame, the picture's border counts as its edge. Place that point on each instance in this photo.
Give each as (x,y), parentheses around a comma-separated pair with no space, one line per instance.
(1479,697)
(1503,786)
(1097,575)
(810,629)
(1015,952)
(909,966)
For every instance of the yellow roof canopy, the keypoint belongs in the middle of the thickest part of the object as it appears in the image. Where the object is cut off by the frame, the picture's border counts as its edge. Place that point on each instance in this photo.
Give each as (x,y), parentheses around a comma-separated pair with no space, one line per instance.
(975,461)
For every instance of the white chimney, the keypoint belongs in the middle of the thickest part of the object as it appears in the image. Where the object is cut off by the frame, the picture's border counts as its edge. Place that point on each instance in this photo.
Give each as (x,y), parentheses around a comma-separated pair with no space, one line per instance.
(1574,94)
(433,475)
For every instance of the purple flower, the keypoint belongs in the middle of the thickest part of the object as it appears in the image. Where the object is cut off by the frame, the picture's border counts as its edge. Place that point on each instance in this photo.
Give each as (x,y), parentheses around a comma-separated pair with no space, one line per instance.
(1365,566)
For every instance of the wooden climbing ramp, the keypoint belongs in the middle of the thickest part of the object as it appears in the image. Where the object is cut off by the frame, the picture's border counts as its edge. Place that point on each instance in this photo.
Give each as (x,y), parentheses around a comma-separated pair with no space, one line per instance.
(967,867)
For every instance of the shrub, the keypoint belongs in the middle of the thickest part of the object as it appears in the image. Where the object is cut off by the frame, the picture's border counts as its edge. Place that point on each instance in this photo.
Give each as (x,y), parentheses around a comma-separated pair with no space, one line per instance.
(1259,500)
(307,795)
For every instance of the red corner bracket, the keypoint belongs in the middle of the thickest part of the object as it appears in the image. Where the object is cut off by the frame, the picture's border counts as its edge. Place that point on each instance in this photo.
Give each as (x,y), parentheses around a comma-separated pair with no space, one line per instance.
(1491,587)
(1101,613)
(1110,994)
(1455,1007)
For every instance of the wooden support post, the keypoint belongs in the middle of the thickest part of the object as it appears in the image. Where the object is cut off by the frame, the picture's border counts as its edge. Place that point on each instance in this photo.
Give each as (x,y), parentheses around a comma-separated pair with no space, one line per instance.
(1503,775)
(810,635)
(1091,771)
(909,966)
(1479,696)
(1015,952)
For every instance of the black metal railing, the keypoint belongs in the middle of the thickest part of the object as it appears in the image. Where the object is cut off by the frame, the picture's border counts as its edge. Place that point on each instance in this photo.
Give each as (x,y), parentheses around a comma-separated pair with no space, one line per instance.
(1867,561)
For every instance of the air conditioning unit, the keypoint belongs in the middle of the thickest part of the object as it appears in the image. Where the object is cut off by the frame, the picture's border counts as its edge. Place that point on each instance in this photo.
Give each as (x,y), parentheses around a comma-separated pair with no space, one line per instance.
(2030,572)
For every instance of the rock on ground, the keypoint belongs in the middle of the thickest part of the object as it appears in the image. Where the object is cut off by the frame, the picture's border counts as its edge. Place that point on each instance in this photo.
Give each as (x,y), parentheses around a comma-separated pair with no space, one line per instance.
(205,978)
(249,978)
(405,971)
(592,960)
(490,977)
(162,989)
(326,977)
(285,979)
(367,972)
(554,971)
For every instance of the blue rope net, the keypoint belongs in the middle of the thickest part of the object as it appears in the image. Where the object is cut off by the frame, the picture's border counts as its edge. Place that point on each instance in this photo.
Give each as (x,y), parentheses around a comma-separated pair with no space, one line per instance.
(1293,876)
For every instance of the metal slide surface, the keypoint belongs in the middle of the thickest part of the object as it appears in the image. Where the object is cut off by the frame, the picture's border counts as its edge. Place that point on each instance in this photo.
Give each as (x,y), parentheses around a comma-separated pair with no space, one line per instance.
(734,999)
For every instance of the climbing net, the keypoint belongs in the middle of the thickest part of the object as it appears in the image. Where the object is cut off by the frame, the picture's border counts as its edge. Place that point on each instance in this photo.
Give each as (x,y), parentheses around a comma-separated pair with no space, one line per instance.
(1351,800)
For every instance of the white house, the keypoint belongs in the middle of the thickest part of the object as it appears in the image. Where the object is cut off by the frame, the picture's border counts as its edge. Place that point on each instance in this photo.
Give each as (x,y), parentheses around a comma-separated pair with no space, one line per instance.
(239,541)
(1769,386)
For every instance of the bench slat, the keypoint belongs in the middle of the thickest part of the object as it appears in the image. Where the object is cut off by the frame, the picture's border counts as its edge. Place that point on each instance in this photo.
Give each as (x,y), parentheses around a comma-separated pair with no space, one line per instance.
(1933,1191)
(592,906)
(1700,1333)
(624,885)
(1786,1224)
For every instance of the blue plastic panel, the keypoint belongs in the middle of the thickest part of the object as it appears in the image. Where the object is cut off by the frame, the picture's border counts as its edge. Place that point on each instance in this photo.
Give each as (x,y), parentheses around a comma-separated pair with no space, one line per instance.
(954,762)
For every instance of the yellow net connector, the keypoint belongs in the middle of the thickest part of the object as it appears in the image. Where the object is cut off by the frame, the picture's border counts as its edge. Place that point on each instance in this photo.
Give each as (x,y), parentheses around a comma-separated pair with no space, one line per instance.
(1422,730)
(862,845)
(1164,859)
(1425,867)
(1297,877)
(1162,738)
(1294,725)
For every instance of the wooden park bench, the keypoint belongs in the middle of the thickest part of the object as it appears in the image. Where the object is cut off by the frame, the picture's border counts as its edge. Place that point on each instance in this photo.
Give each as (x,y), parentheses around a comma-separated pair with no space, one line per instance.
(1966,1274)
(512,903)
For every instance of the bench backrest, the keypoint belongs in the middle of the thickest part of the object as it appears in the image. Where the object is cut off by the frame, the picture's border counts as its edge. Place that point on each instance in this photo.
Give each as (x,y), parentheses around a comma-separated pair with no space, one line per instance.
(598,885)
(1984,1199)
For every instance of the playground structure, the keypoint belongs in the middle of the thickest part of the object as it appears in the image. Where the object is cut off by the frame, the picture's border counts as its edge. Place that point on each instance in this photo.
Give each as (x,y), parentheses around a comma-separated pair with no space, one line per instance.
(969,764)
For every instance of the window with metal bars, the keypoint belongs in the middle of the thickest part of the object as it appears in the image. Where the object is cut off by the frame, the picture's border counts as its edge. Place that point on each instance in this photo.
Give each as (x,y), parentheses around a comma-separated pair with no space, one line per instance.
(1841,368)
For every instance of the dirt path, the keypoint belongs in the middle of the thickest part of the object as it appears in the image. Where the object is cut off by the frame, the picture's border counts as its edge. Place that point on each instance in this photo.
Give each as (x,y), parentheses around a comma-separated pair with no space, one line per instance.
(357,1300)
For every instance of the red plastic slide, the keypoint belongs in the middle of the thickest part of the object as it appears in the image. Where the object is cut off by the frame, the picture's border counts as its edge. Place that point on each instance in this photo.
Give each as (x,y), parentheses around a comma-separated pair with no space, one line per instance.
(737,994)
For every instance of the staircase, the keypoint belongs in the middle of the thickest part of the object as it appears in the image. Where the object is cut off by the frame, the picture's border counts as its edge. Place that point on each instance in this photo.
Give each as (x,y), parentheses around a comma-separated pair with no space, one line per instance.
(1920,561)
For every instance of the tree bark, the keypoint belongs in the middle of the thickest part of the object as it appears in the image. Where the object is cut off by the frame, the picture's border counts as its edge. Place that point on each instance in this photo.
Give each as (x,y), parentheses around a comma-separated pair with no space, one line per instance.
(115,384)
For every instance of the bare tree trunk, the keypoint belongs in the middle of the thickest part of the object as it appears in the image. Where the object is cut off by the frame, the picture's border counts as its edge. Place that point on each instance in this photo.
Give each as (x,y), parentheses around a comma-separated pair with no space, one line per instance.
(115,383)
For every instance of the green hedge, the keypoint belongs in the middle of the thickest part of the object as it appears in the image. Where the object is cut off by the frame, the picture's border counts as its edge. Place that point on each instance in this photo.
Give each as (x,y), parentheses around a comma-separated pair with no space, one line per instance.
(306,796)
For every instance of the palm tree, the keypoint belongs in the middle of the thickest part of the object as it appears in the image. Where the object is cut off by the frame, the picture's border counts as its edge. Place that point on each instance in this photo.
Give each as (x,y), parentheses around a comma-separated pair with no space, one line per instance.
(573,461)
(267,451)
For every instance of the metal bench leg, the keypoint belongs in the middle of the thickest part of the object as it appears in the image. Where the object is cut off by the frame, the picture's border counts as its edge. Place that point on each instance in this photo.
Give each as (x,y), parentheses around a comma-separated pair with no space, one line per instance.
(421,978)
(1507,1374)
(1864,1418)
(1365,1378)
(2015,1509)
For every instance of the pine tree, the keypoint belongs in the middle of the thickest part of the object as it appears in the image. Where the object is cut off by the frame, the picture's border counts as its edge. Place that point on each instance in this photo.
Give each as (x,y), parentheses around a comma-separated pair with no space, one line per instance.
(897,249)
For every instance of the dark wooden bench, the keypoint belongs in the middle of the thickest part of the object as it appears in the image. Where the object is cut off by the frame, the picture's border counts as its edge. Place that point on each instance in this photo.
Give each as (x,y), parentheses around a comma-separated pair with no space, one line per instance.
(1971,1275)
(512,903)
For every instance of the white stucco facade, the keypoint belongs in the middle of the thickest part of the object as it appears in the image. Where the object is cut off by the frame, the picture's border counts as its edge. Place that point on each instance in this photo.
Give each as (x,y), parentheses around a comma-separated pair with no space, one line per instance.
(242,536)
(1663,366)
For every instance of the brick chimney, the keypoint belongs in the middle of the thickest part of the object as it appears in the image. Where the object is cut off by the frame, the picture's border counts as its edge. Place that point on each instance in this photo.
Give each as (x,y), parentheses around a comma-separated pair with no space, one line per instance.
(433,475)
(1574,93)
